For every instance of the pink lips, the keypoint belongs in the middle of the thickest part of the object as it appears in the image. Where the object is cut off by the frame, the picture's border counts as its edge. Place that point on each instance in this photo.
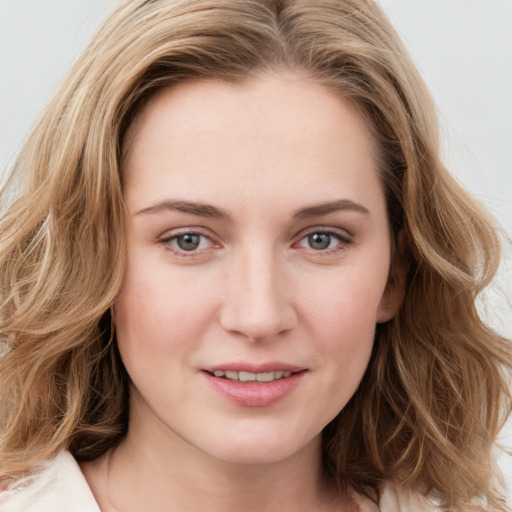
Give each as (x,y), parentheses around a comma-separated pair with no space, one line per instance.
(254,394)
(254,368)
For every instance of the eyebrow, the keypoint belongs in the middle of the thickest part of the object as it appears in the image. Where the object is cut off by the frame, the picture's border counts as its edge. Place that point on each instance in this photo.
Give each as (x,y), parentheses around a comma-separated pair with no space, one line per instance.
(213,212)
(329,207)
(199,209)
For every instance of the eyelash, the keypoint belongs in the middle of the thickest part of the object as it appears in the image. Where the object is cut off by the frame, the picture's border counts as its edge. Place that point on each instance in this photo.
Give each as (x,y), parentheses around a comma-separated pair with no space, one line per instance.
(343,238)
(167,242)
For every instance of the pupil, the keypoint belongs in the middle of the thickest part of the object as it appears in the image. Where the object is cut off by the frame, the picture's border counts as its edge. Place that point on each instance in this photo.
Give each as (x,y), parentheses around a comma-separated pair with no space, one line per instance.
(188,242)
(319,240)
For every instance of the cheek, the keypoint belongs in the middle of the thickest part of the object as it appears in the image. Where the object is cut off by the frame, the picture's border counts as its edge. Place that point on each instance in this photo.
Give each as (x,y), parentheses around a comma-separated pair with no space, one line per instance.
(158,311)
(342,319)
(347,301)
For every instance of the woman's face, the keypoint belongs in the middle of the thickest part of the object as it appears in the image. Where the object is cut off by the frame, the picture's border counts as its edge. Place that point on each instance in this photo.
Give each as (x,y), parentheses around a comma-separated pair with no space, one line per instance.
(258,262)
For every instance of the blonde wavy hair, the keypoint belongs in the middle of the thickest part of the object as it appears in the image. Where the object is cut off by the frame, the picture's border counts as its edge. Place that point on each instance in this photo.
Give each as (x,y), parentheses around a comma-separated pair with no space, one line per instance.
(435,394)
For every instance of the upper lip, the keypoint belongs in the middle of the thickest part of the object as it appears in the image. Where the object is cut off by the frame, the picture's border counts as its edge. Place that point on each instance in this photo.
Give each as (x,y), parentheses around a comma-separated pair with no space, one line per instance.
(254,368)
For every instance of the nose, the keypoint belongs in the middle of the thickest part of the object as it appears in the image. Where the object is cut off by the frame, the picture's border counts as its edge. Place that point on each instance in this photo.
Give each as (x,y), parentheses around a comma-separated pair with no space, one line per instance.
(258,303)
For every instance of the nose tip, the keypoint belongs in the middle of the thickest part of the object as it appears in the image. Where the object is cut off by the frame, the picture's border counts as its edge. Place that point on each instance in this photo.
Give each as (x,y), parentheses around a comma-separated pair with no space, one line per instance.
(258,305)
(256,325)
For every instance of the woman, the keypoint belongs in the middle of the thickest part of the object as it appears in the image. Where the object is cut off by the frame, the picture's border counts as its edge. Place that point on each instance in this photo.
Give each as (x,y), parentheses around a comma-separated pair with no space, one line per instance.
(235,275)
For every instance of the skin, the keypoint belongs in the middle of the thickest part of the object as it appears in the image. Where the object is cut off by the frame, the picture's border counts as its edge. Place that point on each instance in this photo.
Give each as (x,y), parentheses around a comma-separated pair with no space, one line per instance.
(259,287)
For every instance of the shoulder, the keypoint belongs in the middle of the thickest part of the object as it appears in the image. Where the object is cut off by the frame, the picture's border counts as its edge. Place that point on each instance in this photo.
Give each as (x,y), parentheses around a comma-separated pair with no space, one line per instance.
(393,498)
(396,498)
(58,487)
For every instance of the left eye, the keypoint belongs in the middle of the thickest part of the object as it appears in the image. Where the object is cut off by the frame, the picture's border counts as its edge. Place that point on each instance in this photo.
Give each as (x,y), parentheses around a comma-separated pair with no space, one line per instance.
(321,241)
(188,242)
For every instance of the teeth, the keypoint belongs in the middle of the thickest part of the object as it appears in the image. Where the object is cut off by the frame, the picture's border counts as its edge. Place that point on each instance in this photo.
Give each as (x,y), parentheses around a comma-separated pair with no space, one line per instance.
(246,377)
(252,377)
(266,377)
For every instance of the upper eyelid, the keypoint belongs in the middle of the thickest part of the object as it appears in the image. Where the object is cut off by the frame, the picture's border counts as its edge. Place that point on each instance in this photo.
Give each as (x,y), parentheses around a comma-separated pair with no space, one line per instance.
(175,232)
(170,235)
(342,233)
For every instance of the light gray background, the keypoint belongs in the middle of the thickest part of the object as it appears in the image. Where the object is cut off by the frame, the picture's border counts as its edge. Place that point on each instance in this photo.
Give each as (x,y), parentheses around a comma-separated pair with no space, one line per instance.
(462,47)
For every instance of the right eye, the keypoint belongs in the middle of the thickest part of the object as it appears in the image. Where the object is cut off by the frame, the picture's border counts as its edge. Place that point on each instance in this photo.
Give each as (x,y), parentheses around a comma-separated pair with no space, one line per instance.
(187,242)
(320,241)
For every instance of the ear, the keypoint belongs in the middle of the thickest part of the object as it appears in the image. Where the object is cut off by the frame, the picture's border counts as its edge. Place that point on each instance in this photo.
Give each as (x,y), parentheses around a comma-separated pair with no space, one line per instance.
(394,292)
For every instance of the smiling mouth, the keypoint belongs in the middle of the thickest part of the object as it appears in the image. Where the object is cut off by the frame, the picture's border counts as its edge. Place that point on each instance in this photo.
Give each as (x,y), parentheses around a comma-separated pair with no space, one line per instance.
(265,385)
(251,377)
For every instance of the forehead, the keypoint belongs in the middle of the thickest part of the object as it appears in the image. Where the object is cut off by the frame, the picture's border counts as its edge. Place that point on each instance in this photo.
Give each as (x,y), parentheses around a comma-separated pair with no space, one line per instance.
(280,128)
(298,101)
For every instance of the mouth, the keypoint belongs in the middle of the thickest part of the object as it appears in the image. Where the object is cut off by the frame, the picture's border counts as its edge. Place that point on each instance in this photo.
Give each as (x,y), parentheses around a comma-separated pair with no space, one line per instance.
(254,385)
(244,376)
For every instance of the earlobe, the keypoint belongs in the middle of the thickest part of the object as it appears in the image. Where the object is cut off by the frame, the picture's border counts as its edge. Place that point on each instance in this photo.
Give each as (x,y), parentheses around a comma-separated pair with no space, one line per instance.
(394,292)
(390,302)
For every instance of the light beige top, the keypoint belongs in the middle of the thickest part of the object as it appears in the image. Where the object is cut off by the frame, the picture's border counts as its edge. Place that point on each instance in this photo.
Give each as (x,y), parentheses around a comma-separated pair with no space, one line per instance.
(61,487)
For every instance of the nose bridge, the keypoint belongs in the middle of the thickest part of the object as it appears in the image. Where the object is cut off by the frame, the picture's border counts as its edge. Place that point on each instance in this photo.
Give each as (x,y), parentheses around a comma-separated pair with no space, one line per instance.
(257,304)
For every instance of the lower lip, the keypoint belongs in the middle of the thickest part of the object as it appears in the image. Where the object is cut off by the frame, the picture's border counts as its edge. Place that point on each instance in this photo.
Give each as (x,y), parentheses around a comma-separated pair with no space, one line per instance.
(255,394)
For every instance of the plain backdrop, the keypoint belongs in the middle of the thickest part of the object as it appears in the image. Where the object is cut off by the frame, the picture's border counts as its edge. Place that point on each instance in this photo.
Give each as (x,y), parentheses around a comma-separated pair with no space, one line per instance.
(462,47)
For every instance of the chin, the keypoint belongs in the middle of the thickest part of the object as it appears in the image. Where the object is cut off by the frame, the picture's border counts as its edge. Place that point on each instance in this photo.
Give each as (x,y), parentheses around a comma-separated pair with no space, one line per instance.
(257,448)
(254,455)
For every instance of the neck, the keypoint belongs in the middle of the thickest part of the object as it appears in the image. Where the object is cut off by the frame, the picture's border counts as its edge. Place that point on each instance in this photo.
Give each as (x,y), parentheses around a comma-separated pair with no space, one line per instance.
(166,473)
(174,479)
